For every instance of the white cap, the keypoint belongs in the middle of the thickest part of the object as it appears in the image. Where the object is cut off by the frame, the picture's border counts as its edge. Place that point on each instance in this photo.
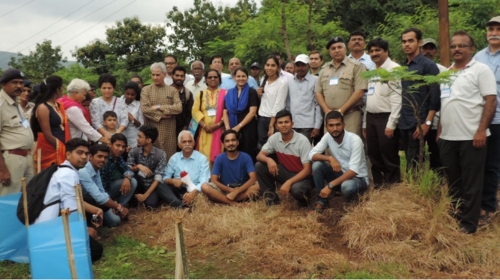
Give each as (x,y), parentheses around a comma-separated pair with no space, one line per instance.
(302,58)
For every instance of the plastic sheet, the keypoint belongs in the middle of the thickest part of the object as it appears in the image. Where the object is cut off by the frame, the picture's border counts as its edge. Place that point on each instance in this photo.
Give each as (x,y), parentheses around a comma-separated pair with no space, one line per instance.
(47,247)
(13,234)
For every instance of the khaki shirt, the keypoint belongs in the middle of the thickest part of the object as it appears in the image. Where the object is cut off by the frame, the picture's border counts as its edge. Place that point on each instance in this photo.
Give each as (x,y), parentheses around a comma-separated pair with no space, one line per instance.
(13,135)
(349,80)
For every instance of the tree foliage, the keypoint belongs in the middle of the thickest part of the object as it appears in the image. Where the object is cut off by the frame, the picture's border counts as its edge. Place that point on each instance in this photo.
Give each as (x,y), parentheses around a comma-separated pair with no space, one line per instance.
(40,63)
(130,41)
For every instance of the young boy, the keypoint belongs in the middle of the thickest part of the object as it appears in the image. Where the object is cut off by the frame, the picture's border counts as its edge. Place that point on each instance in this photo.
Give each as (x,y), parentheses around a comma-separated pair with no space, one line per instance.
(109,120)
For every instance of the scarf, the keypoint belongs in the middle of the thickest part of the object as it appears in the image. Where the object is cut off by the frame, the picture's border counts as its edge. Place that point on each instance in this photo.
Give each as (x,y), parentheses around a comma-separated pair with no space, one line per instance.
(216,144)
(235,106)
(68,103)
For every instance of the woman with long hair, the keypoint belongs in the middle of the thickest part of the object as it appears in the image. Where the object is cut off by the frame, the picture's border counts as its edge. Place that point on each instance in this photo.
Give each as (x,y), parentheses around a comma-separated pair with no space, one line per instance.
(208,111)
(50,124)
(240,109)
(273,93)
(131,100)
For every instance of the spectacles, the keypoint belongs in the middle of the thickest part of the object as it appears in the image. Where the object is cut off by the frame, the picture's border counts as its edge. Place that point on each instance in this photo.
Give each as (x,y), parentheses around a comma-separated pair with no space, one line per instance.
(460,46)
(212,78)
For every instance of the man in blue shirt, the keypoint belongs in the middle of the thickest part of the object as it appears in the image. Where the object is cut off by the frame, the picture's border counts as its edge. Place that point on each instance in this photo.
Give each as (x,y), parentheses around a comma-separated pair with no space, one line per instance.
(93,190)
(345,169)
(426,99)
(190,161)
(491,57)
(233,174)
(229,83)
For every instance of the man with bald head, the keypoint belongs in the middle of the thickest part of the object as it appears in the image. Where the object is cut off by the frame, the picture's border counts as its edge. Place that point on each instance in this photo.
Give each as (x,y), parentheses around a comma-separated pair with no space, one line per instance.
(229,83)
(340,86)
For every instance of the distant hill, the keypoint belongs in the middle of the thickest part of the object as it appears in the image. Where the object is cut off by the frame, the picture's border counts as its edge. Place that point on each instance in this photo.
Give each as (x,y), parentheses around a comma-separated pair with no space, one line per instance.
(5,58)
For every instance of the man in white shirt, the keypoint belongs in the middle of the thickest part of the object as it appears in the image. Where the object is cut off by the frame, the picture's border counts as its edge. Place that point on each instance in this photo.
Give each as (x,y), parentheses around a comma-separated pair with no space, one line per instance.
(61,190)
(171,63)
(356,44)
(79,126)
(345,169)
(198,83)
(380,121)
(467,108)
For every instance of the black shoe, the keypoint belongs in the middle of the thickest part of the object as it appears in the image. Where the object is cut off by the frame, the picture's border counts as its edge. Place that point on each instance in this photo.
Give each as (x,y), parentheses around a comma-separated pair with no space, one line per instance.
(303,203)
(272,199)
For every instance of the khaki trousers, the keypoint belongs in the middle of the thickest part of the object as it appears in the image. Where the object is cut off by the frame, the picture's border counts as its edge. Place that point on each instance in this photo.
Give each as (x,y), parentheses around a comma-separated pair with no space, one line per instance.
(19,167)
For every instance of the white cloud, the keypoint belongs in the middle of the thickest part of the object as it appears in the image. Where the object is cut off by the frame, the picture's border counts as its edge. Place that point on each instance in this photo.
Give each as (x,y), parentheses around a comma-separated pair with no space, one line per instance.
(37,20)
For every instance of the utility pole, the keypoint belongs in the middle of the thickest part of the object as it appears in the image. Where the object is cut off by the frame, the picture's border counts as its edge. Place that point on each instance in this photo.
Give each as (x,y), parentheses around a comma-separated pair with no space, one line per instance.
(444,32)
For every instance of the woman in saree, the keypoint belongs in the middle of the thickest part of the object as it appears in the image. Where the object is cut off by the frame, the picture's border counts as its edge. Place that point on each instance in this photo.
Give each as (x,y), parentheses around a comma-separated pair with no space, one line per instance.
(208,112)
(50,124)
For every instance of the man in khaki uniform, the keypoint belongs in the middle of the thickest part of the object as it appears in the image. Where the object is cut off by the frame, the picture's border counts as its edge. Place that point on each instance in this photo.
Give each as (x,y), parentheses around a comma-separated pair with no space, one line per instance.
(16,137)
(340,86)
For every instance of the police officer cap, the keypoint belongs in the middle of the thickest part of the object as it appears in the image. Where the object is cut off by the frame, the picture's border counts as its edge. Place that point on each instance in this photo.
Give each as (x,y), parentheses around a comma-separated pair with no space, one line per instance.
(27,83)
(11,74)
(334,40)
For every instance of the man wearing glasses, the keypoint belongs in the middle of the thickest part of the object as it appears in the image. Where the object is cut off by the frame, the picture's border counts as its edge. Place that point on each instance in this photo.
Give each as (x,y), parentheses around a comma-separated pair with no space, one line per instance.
(491,57)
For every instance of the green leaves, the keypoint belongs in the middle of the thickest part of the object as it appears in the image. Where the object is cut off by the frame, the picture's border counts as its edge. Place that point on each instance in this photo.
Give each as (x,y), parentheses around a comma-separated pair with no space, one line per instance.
(40,63)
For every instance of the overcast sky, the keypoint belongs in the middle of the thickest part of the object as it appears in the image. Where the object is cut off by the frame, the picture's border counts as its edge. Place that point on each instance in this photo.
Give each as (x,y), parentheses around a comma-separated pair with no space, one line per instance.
(71,24)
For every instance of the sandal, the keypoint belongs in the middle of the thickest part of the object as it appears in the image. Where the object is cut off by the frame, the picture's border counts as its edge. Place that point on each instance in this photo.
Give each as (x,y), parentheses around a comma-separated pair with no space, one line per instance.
(485,219)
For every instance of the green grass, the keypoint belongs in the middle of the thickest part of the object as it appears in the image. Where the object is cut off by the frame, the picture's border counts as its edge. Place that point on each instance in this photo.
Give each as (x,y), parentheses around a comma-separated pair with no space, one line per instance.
(125,257)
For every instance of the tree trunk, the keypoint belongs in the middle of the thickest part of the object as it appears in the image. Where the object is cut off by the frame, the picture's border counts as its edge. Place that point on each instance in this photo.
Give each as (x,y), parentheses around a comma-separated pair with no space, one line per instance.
(283,29)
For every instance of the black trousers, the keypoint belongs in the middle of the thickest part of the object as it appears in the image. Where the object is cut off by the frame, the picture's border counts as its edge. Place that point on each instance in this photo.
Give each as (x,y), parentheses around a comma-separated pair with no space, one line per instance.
(434,157)
(166,193)
(382,151)
(96,249)
(411,146)
(464,167)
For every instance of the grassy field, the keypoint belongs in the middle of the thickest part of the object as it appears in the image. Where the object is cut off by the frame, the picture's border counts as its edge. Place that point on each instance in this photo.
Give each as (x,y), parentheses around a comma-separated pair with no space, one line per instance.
(405,231)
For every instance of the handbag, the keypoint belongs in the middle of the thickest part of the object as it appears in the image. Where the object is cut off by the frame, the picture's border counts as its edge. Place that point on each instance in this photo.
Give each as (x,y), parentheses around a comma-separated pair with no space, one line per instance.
(194,126)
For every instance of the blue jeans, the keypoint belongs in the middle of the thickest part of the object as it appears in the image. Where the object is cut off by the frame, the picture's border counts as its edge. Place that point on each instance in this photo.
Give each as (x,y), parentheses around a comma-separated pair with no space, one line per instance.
(323,174)
(110,218)
(491,170)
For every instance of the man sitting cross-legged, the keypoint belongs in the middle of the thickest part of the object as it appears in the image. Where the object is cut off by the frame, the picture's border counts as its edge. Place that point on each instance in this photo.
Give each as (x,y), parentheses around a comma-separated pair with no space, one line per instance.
(233,174)
(345,169)
(190,161)
(93,190)
(148,163)
(293,169)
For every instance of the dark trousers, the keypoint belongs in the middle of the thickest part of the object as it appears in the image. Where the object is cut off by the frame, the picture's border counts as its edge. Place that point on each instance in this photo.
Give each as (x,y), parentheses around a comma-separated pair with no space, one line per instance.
(464,167)
(411,147)
(96,249)
(434,157)
(306,132)
(382,151)
(172,195)
(162,192)
(492,170)
(300,190)
(262,129)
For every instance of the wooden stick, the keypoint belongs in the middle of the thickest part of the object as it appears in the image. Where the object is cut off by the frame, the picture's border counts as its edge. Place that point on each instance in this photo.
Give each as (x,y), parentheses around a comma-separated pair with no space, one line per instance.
(38,161)
(69,246)
(79,199)
(181,271)
(25,203)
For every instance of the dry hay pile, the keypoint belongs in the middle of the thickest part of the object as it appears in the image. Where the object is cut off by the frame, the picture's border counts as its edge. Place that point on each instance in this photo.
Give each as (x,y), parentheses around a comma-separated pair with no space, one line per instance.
(396,225)
(282,241)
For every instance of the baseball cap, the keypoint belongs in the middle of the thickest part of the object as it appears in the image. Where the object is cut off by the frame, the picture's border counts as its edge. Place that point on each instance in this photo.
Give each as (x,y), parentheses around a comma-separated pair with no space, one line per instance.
(429,41)
(302,58)
(255,64)
(493,20)
(11,74)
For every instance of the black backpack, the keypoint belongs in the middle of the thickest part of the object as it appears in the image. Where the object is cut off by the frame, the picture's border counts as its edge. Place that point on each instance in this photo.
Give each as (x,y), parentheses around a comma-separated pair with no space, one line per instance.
(35,191)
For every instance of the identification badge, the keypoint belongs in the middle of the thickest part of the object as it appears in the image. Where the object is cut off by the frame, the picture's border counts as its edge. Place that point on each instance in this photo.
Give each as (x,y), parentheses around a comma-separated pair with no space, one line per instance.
(445,91)
(211,112)
(371,90)
(334,81)
(25,123)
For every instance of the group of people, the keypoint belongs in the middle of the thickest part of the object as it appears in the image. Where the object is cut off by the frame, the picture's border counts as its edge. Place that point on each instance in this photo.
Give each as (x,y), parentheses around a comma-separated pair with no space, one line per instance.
(237,136)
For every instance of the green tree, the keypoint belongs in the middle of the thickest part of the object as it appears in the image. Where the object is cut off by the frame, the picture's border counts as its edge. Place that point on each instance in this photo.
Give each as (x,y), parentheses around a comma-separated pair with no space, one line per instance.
(203,23)
(130,41)
(77,71)
(39,64)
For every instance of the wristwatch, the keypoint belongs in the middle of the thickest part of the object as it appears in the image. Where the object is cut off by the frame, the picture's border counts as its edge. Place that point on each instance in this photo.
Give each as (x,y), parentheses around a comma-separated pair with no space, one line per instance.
(429,123)
(158,107)
(330,186)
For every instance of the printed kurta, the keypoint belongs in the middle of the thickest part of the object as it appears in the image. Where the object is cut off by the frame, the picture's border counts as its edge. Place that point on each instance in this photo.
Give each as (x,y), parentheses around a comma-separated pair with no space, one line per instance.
(167,98)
